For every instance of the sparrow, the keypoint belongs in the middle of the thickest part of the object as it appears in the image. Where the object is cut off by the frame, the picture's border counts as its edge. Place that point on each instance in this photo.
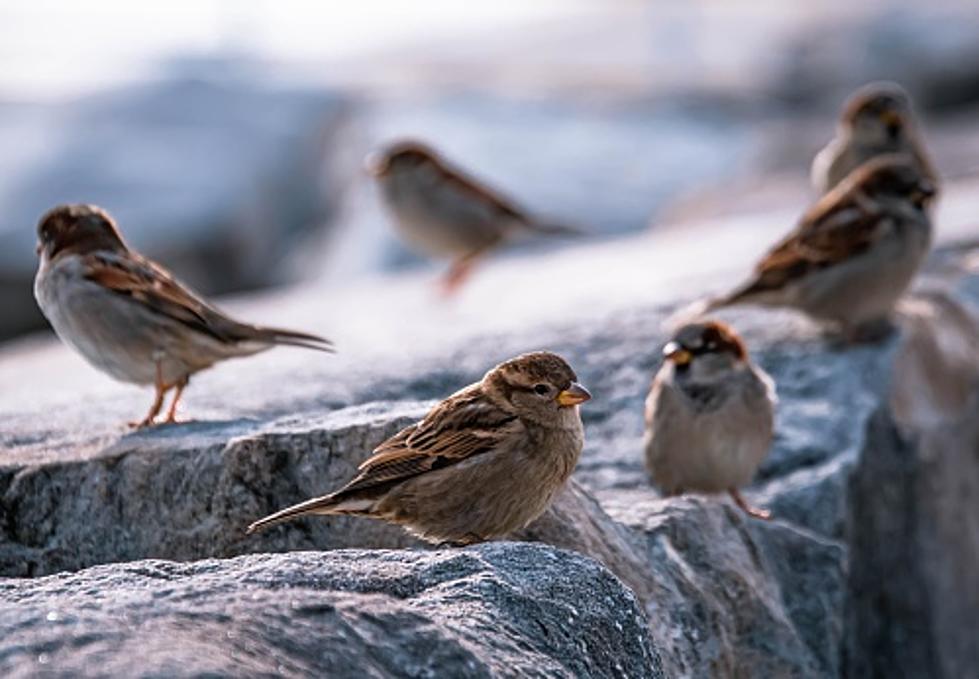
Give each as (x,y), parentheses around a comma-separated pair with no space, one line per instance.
(446,213)
(709,415)
(484,462)
(128,316)
(853,254)
(877,119)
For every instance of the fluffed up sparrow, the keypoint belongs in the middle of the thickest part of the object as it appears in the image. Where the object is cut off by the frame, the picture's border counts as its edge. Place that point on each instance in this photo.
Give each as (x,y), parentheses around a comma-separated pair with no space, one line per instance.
(484,462)
(853,254)
(128,316)
(877,119)
(446,213)
(709,415)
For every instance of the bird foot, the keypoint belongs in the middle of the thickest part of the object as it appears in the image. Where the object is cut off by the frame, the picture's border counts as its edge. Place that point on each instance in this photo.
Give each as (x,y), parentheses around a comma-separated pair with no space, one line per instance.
(755,512)
(870,332)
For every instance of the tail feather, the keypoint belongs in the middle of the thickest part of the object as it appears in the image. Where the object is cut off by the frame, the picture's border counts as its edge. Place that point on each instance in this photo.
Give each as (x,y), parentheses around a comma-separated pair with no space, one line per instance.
(318,505)
(293,338)
(548,228)
(699,308)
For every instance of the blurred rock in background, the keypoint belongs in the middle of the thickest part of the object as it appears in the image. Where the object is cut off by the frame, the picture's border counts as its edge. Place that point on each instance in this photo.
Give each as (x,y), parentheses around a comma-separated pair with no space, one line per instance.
(217,171)
(225,140)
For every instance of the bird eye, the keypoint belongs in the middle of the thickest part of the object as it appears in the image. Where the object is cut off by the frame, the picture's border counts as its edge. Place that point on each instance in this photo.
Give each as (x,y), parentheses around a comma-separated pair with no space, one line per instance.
(541,389)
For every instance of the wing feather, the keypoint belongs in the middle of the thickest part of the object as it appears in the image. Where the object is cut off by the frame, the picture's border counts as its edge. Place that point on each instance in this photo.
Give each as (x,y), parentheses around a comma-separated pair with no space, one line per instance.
(463,426)
(829,234)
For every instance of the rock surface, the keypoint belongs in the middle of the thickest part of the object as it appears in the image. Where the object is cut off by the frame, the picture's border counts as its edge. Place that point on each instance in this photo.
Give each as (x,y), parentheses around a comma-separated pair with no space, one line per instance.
(912,523)
(721,594)
(490,610)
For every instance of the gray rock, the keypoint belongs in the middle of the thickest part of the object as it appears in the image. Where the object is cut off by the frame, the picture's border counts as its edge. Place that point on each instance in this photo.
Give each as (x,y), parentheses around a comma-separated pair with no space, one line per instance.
(729,596)
(721,594)
(189,493)
(491,610)
(933,53)
(913,517)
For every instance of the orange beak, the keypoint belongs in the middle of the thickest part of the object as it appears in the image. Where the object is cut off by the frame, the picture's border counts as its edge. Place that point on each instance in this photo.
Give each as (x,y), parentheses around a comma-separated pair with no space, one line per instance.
(573,395)
(674,352)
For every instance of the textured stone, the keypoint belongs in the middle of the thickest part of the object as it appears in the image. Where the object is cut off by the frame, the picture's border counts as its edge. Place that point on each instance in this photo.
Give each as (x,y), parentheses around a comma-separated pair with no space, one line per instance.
(722,594)
(490,610)
(913,516)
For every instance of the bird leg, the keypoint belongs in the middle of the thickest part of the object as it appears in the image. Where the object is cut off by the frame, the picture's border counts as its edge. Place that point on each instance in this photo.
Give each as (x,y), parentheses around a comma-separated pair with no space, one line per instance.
(748,509)
(161,390)
(458,273)
(179,390)
(869,332)
(465,541)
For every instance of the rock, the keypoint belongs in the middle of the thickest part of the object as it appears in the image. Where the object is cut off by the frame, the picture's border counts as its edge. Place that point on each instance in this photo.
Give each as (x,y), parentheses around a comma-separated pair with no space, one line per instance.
(913,520)
(933,53)
(490,610)
(192,495)
(222,182)
(729,596)
(722,594)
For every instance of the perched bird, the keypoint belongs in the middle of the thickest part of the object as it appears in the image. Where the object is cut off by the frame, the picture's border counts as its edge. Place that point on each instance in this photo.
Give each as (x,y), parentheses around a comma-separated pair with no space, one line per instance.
(709,415)
(128,316)
(853,254)
(484,462)
(444,212)
(876,120)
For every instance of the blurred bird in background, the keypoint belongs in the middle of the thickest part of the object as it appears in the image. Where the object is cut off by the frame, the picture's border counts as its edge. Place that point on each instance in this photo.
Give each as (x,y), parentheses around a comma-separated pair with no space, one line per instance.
(876,120)
(446,213)
(853,254)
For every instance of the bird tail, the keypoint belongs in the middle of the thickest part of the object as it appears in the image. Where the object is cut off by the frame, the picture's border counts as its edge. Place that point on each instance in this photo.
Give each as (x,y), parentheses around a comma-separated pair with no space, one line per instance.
(293,338)
(560,229)
(328,504)
(699,308)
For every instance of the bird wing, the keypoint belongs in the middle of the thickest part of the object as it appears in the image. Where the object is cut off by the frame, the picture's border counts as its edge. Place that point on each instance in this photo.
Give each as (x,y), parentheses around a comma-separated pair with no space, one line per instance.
(149,284)
(463,426)
(500,204)
(830,233)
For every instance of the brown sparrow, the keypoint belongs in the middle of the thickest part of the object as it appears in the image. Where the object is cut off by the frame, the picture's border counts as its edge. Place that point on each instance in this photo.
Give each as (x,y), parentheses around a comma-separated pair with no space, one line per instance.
(709,415)
(444,212)
(854,253)
(128,316)
(484,462)
(877,119)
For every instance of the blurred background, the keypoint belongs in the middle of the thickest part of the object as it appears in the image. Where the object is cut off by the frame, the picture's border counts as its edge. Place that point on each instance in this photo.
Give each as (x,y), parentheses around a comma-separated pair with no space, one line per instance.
(226,136)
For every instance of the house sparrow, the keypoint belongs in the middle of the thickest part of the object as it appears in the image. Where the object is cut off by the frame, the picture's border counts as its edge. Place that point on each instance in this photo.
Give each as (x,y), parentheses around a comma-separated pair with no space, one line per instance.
(444,212)
(484,462)
(854,253)
(128,316)
(709,415)
(877,119)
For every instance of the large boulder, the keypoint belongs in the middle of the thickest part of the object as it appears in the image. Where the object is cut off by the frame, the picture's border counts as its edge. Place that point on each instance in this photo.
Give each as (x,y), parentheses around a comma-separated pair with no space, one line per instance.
(490,610)
(722,594)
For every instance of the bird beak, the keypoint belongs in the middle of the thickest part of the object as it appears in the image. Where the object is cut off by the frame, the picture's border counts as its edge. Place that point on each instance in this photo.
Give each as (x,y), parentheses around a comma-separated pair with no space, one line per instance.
(677,354)
(923,193)
(893,120)
(573,395)
(375,164)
